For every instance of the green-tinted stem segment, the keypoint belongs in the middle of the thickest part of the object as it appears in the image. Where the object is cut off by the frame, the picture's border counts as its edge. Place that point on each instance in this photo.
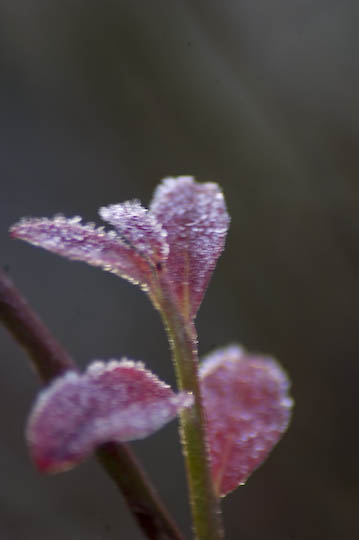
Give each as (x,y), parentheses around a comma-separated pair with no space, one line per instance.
(51,360)
(204,501)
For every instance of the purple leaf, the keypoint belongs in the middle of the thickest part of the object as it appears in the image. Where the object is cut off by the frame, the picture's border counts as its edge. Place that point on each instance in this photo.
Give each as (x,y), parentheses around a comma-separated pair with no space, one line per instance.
(118,401)
(175,244)
(138,228)
(69,238)
(247,407)
(196,220)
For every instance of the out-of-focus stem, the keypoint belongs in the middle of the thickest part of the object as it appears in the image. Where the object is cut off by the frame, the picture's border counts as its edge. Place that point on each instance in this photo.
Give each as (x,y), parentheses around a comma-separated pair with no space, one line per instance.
(122,466)
(51,360)
(47,355)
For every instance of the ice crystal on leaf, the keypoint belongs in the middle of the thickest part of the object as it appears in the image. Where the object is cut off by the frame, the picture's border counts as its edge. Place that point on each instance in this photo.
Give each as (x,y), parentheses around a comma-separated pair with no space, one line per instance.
(196,220)
(138,228)
(180,236)
(74,240)
(171,250)
(118,401)
(247,407)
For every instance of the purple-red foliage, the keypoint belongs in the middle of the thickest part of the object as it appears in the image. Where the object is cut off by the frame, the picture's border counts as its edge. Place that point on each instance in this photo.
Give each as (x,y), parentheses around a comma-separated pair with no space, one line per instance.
(248,409)
(196,220)
(180,238)
(118,401)
(170,250)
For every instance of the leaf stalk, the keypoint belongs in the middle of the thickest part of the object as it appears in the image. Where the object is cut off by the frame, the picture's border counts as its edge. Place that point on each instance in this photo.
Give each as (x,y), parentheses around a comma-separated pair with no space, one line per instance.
(205,504)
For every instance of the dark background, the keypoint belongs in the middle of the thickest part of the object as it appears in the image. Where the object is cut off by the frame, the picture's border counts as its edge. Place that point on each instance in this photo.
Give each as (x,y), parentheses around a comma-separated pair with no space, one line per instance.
(98,102)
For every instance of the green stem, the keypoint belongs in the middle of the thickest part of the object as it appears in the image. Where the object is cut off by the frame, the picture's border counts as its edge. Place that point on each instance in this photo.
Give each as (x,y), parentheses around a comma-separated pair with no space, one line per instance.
(204,502)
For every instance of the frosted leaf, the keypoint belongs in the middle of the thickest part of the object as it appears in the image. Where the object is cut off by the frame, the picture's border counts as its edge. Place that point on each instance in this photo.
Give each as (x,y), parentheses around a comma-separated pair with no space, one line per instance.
(138,228)
(71,239)
(247,407)
(118,401)
(196,220)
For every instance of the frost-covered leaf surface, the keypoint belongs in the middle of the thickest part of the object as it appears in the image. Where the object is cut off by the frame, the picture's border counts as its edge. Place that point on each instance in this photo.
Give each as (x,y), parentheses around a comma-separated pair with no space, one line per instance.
(117,401)
(138,228)
(71,239)
(196,220)
(247,407)
(181,236)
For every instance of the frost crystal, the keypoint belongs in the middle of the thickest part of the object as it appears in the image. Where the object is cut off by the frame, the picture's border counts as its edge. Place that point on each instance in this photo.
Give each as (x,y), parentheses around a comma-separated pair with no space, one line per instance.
(247,408)
(182,234)
(69,238)
(196,220)
(118,401)
(138,228)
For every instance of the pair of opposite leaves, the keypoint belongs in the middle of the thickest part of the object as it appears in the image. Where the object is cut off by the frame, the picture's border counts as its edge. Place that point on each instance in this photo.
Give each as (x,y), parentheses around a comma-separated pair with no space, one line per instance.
(170,249)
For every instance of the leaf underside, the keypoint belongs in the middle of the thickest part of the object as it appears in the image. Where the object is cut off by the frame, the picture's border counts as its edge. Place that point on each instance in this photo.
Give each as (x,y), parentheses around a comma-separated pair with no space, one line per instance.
(118,401)
(248,409)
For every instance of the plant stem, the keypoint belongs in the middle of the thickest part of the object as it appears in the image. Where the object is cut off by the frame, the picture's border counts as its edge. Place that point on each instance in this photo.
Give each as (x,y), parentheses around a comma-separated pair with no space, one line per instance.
(121,464)
(204,502)
(51,360)
(48,357)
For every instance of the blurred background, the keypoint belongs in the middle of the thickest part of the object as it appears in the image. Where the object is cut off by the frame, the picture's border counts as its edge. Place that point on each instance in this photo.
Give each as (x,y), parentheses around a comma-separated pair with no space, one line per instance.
(101,100)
